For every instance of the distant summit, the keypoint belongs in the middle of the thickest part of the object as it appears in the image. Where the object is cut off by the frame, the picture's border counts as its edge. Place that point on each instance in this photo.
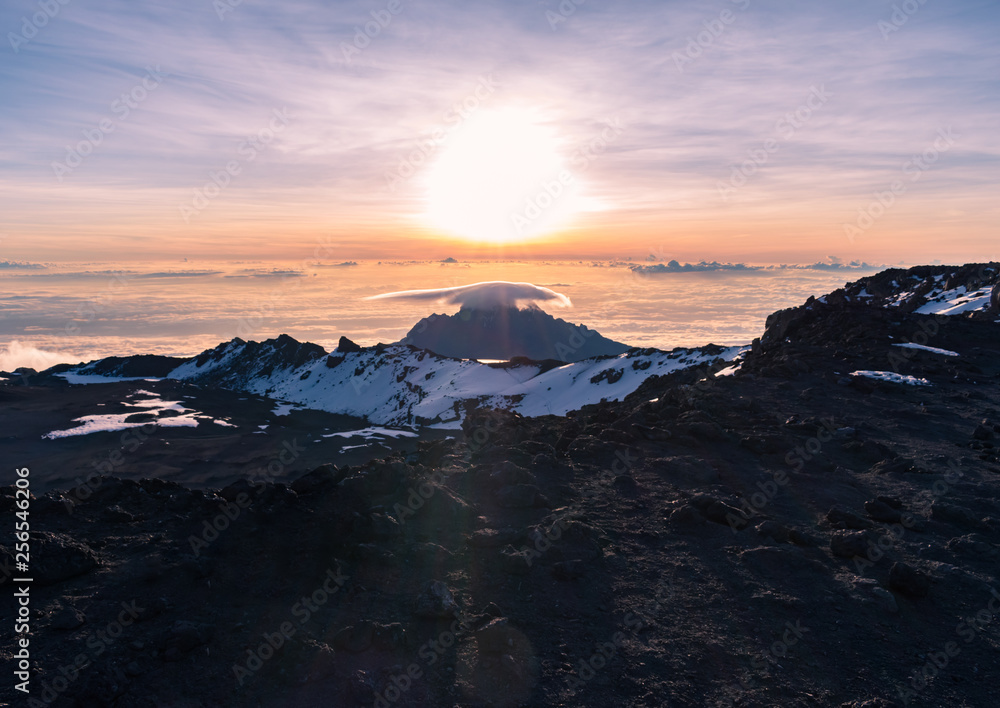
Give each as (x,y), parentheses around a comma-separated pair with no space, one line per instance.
(508,332)
(499,319)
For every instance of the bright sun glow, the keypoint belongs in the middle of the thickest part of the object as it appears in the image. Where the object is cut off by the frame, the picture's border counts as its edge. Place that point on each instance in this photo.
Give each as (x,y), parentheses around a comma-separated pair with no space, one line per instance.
(501,179)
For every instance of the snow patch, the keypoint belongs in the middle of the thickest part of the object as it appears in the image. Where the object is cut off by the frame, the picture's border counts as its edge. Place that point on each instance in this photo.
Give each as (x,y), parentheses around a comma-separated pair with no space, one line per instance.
(893,377)
(152,410)
(75,378)
(921,347)
(373,432)
(956,301)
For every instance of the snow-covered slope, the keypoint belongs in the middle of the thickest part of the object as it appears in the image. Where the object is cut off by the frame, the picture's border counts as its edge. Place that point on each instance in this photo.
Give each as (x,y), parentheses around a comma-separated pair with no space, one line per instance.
(928,290)
(402,385)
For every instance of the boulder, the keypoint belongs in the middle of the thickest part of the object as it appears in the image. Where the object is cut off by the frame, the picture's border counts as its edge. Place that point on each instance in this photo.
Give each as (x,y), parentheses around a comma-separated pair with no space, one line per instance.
(56,557)
(435,601)
(848,544)
(355,638)
(908,580)
(517,496)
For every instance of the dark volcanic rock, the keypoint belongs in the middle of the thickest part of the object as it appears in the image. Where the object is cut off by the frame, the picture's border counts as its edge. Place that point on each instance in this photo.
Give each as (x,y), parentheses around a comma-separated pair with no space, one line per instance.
(518,496)
(355,638)
(848,544)
(184,636)
(515,562)
(435,601)
(56,557)
(494,538)
(908,580)
(321,478)
(720,512)
(841,518)
(882,512)
(346,346)
(496,637)
(983,431)
(67,618)
(140,365)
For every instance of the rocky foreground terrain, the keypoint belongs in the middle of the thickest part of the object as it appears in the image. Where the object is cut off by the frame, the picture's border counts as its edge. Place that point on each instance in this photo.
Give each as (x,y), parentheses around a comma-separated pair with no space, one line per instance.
(786,535)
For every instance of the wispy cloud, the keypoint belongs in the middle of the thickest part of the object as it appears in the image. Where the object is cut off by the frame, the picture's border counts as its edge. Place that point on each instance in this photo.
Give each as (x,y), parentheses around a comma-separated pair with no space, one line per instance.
(15,355)
(483,296)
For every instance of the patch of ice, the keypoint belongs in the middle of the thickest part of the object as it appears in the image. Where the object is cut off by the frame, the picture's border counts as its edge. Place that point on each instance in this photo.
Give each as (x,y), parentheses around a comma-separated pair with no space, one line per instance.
(893,377)
(921,347)
(75,378)
(284,409)
(448,425)
(116,421)
(160,404)
(729,370)
(353,447)
(370,433)
(151,408)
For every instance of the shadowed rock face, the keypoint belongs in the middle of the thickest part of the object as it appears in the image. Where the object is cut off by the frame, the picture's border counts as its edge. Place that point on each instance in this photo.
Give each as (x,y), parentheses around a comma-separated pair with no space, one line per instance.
(504,333)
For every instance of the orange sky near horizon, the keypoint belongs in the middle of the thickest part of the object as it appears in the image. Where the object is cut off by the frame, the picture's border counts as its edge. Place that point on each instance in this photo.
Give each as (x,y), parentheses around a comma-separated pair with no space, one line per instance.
(684,130)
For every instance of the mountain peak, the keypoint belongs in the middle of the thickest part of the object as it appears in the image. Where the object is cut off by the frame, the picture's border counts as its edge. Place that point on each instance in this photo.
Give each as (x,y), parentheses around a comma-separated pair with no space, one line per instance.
(505,332)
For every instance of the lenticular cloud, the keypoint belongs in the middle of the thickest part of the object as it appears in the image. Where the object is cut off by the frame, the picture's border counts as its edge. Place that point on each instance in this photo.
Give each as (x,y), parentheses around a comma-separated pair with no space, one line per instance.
(484,296)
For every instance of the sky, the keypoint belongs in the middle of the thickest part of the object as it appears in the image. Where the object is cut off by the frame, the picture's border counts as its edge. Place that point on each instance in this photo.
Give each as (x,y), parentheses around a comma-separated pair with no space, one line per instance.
(741,131)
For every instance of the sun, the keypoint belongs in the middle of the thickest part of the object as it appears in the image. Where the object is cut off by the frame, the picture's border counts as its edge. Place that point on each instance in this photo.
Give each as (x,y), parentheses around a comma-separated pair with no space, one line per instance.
(501,179)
